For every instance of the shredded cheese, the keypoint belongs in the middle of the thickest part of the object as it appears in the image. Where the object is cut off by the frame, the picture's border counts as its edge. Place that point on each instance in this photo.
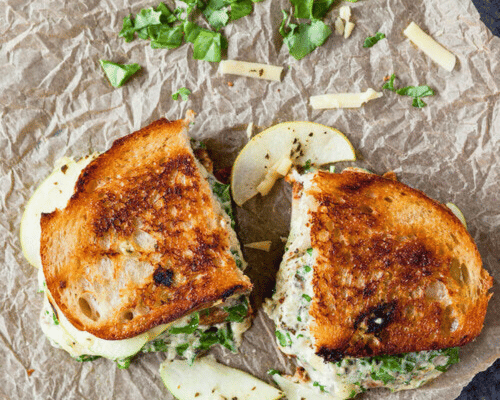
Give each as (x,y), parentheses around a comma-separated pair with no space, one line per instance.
(264,245)
(339,27)
(343,100)
(252,70)
(349,26)
(345,13)
(429,46)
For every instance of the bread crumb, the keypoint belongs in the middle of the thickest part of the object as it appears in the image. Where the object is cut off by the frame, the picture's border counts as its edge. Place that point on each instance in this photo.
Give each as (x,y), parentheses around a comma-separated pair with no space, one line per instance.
(30,371)
(230,84)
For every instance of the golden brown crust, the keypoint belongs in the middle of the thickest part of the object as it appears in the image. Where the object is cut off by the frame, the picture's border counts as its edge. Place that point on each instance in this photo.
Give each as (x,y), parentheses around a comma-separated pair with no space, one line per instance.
(396,271)
(141,242)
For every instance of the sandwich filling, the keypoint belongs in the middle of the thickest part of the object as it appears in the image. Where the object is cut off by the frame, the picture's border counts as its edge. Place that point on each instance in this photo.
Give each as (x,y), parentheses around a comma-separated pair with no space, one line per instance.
(223,323)
(290,309)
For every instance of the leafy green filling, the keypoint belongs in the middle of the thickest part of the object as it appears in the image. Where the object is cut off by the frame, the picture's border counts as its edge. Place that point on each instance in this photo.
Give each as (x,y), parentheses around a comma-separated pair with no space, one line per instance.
(238,312)
(86,357)
(284,339)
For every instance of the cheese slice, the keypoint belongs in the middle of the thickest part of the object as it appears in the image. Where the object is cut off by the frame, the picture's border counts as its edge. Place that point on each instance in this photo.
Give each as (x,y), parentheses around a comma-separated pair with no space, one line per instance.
(343,100)
(429,46)
(252,70)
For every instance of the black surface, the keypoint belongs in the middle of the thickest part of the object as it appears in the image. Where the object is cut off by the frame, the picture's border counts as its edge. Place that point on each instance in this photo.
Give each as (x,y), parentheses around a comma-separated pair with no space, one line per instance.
(486,385)
(490,14)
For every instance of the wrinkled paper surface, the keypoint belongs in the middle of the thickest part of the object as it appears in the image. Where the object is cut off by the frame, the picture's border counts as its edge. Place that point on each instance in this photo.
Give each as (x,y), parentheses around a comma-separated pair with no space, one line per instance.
(55,101)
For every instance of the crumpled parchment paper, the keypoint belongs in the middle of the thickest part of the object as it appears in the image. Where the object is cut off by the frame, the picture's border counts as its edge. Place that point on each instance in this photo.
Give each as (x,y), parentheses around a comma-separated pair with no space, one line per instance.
(55,101)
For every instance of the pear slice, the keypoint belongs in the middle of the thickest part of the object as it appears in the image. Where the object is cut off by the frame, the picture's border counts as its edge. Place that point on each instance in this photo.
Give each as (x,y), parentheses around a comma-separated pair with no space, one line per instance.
(302,391)
(298,141)
(455,210)
(206,379)
(54,192)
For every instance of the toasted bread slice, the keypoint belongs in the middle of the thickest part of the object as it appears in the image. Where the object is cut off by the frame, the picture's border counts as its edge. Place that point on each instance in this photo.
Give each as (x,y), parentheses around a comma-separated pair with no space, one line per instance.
(142,241)
(395,271)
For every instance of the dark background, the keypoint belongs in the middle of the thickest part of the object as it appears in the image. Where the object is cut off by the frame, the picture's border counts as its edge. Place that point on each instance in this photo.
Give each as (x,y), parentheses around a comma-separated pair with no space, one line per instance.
(486,385)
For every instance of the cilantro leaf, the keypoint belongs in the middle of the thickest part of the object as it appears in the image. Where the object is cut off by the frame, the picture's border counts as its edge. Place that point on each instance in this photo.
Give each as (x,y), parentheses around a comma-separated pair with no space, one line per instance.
(418,102)
(180,350)
(273,372)
(208,46)
(128,30)
(147,17)
(86,357)
(189,328)
(310,251)
(183,92)
(389,85)
(371,40)
(167,37)
(306,38)
(191,31)
(167,16)
(284,338)
(306,297)
(416,91)
(241,9)
(217,18)
(238,312)
(321,7)
(118,74)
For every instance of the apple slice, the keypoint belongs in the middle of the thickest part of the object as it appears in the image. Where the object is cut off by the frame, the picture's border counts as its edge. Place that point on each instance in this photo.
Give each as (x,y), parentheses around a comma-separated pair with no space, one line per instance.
(54,192)
(455,210)
(206,379)
(302,391)
(298,141)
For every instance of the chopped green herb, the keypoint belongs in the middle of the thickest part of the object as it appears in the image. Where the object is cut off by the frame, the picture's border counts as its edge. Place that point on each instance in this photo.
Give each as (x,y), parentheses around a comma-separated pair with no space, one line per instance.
(183,92)
(321,387)
(222,191)
(417,92)
(371,40)
(208,46)
(54,318)
(353,393)
(307,297)
(86,357)
(226,339)
(284,339)
(124,363)
(299,319)
(273,372)
(118,74)
(168,29)
(303,38)
(331,169)
(307,166)
(190,328)
(310,251)
(238,312)
(181,349)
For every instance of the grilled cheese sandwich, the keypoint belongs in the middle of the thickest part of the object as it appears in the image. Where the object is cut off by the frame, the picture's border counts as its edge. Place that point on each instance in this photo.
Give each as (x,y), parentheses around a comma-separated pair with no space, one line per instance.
(120,272)
(379,284)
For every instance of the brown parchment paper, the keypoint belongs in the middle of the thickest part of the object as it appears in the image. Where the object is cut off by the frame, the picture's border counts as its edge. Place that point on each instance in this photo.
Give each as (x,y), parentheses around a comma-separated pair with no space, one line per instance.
(55,101)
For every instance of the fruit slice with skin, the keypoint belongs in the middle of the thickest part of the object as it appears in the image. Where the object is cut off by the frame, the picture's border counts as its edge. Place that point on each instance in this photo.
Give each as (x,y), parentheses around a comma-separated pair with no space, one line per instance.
(455,210)
(206,379)
(300,141)
(301,391)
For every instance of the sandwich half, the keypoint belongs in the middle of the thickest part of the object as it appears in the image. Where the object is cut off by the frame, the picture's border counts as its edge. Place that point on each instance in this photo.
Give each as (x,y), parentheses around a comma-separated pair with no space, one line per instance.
(137,251)
(379,285)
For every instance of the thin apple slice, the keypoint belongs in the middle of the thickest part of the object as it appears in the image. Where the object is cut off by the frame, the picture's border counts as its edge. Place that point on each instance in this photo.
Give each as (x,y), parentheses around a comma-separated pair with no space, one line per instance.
(54,192)
(206,379)
(455,210)
(298,141)
(302,391)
